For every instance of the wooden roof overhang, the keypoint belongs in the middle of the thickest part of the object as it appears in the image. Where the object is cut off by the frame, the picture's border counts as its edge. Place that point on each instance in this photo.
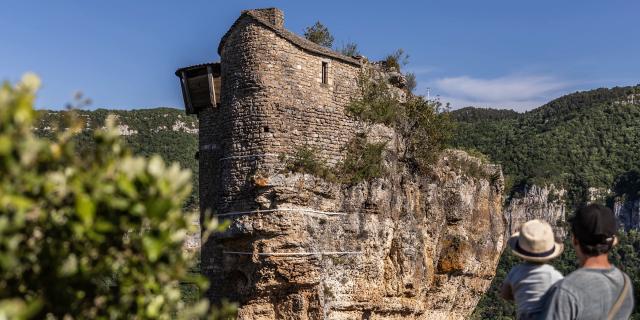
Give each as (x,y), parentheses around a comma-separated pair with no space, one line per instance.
(200,86)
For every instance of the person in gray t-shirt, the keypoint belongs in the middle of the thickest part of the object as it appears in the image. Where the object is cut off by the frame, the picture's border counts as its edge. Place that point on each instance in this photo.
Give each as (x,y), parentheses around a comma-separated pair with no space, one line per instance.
(598,290)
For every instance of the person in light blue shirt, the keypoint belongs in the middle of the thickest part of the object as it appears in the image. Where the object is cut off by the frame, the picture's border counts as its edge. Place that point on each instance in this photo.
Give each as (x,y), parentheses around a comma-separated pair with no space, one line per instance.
(528,282)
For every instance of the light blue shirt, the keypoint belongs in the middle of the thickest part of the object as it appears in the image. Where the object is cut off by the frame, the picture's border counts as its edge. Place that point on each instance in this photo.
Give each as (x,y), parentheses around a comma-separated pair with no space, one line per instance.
(529,282)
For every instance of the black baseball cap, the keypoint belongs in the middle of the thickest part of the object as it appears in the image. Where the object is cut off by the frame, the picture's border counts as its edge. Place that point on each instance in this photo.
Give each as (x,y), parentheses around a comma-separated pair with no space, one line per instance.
(594,224)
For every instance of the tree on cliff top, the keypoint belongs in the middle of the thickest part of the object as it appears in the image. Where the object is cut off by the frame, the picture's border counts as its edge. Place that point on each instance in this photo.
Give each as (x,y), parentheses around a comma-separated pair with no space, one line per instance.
(394,61)
(92,236)
(319,34)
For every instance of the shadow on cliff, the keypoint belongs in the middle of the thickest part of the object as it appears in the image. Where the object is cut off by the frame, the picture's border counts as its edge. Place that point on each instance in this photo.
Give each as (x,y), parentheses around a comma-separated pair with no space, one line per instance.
(626,185)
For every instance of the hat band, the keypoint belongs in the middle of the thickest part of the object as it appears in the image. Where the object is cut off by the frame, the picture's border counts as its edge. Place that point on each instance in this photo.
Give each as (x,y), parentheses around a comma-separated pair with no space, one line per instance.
(533,254)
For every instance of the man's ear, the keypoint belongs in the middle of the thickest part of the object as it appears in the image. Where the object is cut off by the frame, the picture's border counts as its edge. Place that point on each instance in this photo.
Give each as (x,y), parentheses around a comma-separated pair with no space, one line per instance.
(615,241)
(574,240)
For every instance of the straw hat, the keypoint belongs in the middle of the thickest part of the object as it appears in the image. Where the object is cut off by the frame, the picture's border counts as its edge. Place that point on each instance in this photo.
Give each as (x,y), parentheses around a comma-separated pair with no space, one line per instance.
(535,242)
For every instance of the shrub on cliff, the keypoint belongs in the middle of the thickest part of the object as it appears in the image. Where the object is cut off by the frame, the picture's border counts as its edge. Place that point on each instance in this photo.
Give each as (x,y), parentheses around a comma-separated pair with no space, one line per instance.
(304,160)
(394,61)
(375,102)
(424,126)
(412,83)
(319,34)
(97,235)
(363,161)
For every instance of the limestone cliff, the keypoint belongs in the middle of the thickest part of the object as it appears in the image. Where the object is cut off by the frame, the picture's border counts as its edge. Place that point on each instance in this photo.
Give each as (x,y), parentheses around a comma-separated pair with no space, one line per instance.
(405,246)
(549,204)
(546,203)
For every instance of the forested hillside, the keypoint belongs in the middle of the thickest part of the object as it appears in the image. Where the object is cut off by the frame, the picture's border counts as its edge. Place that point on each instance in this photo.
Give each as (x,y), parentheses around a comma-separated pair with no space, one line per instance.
(474,115)
(164,131)
(585,139)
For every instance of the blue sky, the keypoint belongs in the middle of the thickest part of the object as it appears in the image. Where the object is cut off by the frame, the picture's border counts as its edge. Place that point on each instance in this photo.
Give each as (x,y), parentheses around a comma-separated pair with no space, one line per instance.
(513,54)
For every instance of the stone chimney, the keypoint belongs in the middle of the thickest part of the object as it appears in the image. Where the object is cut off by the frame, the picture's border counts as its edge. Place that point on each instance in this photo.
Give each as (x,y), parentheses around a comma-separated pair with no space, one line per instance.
(275,16)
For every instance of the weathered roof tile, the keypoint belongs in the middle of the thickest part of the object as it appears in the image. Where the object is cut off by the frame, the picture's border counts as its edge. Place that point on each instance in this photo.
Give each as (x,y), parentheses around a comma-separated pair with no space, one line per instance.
(289,36)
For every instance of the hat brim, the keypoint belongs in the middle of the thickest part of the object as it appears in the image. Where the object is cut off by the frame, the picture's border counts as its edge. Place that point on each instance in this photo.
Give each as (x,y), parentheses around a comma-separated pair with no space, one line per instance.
(559,247)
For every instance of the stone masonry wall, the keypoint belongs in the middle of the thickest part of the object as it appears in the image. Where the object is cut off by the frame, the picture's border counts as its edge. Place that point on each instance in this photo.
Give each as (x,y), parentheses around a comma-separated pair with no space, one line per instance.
(273,102)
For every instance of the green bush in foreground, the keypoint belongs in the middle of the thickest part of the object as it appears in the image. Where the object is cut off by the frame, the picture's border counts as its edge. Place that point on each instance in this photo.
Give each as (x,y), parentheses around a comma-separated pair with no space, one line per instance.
(97,235)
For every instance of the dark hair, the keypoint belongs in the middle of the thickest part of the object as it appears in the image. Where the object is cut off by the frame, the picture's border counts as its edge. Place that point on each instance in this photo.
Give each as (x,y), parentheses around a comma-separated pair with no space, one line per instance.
(595,227)
(595,249)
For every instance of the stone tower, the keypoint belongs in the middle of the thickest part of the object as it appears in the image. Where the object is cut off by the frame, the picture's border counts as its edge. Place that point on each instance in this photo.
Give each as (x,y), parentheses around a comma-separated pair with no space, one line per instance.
(299,247)
(278,92)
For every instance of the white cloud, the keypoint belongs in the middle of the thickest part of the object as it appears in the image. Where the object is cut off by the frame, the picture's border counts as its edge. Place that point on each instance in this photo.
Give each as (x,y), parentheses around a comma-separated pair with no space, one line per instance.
(516,92)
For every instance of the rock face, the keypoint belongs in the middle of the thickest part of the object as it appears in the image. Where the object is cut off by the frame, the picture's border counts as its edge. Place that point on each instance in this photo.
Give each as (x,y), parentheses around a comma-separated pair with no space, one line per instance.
(400,247)
(548,203)
(545,203)
(408,245)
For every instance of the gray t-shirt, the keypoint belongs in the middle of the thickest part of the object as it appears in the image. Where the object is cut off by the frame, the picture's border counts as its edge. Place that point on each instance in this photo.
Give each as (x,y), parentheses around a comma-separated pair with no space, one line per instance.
(529,282)
(587,294)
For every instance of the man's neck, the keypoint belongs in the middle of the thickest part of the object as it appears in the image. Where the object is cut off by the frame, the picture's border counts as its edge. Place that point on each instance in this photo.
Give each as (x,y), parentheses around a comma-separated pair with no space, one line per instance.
(597,262)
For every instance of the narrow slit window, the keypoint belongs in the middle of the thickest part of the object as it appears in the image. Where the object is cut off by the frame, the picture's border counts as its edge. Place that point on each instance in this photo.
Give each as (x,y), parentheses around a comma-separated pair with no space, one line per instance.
(325,72)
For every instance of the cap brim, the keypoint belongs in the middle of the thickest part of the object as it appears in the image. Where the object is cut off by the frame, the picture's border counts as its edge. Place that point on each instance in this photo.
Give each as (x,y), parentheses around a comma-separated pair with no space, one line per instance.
(559,247)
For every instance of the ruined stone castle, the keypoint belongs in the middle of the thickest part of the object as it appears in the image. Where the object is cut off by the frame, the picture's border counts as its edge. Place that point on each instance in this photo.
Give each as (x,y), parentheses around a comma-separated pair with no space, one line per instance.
(299,247)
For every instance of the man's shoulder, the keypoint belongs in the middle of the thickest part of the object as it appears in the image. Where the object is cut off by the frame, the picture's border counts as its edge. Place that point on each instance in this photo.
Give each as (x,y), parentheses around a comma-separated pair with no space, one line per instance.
(589,272)
(574,288)
(588,291)
(586,279)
